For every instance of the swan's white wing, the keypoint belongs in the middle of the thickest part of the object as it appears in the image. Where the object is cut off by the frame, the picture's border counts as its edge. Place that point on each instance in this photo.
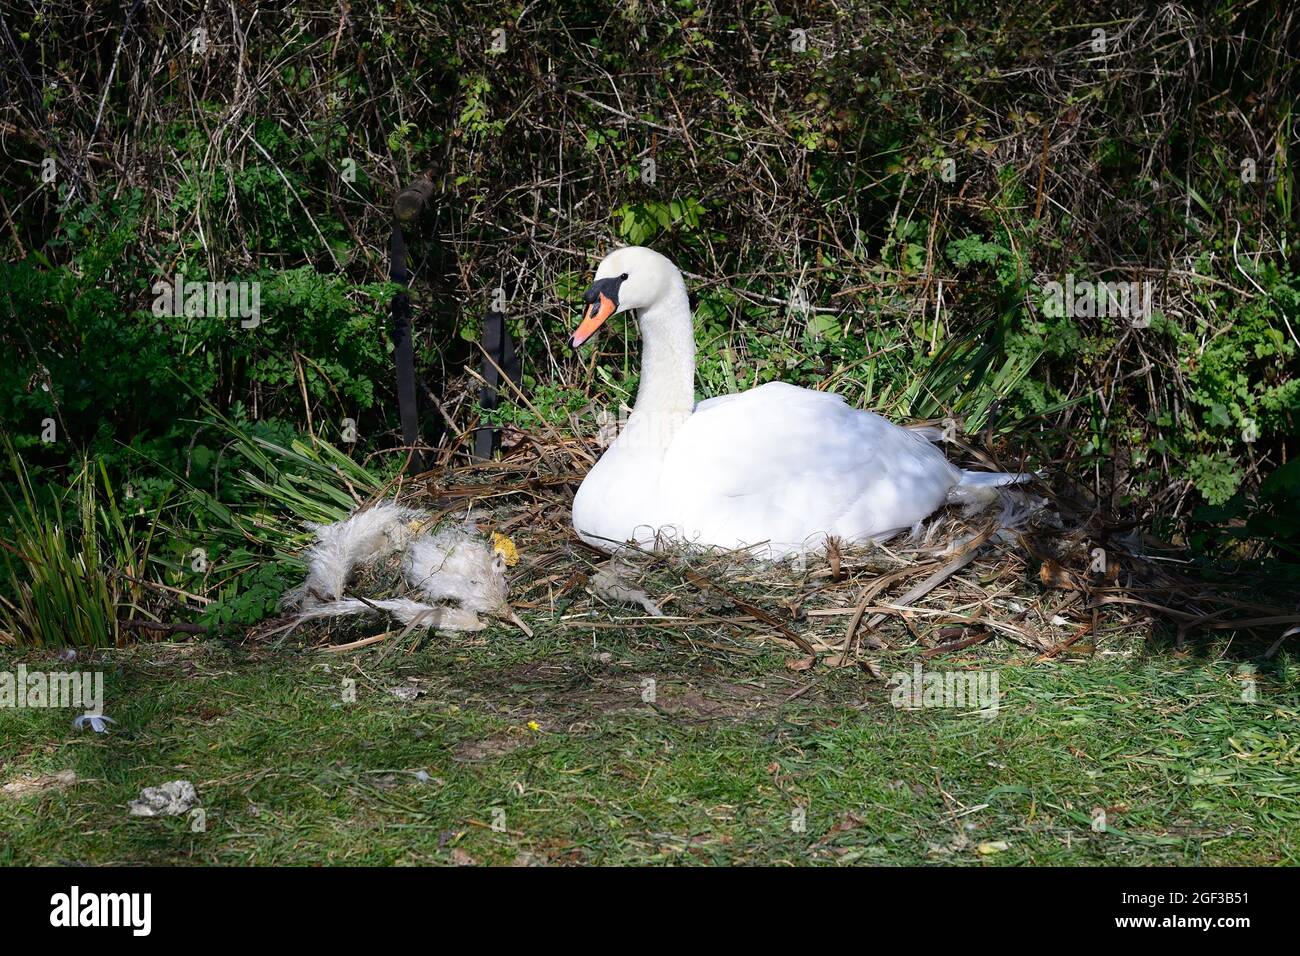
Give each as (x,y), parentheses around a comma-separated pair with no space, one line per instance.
(788,466)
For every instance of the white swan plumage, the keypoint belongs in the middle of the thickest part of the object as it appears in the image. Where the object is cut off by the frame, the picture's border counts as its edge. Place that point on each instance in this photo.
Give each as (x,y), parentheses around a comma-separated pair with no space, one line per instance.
(774,470)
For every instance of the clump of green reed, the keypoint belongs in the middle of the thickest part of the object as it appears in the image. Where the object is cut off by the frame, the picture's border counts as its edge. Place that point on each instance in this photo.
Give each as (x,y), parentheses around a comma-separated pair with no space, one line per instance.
(71,569)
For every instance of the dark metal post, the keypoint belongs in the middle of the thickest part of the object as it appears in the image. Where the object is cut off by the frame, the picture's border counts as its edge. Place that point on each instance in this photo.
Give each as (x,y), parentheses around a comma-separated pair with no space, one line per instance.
(408,206)
(499,354)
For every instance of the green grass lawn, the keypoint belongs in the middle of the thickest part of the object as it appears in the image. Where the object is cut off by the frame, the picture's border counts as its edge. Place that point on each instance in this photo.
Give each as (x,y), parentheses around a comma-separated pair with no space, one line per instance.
(544,751)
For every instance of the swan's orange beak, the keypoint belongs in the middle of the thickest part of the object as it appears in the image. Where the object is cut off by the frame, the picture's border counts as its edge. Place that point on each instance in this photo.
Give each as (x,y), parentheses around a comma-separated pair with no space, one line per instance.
(595,316)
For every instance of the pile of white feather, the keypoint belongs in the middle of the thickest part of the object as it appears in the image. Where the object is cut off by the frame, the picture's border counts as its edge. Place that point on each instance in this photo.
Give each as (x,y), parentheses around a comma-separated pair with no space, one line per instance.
(453,574)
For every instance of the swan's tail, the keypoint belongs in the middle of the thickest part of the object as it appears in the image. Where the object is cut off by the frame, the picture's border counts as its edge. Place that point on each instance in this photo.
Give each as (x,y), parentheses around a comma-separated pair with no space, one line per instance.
(977,489)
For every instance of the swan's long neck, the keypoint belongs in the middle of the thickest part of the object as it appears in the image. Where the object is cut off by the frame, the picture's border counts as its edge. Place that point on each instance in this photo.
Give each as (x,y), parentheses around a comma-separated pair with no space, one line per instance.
(666,395)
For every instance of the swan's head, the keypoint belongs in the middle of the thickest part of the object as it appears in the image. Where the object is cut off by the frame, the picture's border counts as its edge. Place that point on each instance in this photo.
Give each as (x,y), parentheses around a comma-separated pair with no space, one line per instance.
(633,277)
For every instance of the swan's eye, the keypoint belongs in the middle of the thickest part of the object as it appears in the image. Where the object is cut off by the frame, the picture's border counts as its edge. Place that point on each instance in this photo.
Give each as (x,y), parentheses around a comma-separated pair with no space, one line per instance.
(623,277)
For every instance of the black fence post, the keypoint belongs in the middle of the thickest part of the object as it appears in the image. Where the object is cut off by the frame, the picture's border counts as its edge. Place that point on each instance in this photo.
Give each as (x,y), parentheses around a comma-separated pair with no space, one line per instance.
(407,209)
(498,358)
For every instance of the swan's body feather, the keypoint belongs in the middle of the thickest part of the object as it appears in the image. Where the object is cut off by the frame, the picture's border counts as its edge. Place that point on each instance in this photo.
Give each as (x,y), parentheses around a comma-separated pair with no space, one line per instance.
(775,469)
(790,466)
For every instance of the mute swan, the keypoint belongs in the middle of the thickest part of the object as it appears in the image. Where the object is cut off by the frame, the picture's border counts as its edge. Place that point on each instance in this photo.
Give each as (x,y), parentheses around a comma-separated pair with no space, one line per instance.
(775,469)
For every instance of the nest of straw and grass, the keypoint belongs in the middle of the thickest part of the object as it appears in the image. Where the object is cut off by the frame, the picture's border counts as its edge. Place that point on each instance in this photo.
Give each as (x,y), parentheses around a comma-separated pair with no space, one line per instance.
(1042,572)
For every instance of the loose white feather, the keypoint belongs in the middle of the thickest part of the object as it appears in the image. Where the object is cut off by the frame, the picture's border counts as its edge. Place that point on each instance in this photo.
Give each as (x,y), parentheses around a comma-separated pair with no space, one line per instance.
(455,564)
(361,539)
(402,609)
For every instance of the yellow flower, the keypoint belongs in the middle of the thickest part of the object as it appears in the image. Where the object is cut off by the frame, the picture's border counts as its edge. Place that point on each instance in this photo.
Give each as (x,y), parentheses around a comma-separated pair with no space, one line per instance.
(506,548)
(534,725)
